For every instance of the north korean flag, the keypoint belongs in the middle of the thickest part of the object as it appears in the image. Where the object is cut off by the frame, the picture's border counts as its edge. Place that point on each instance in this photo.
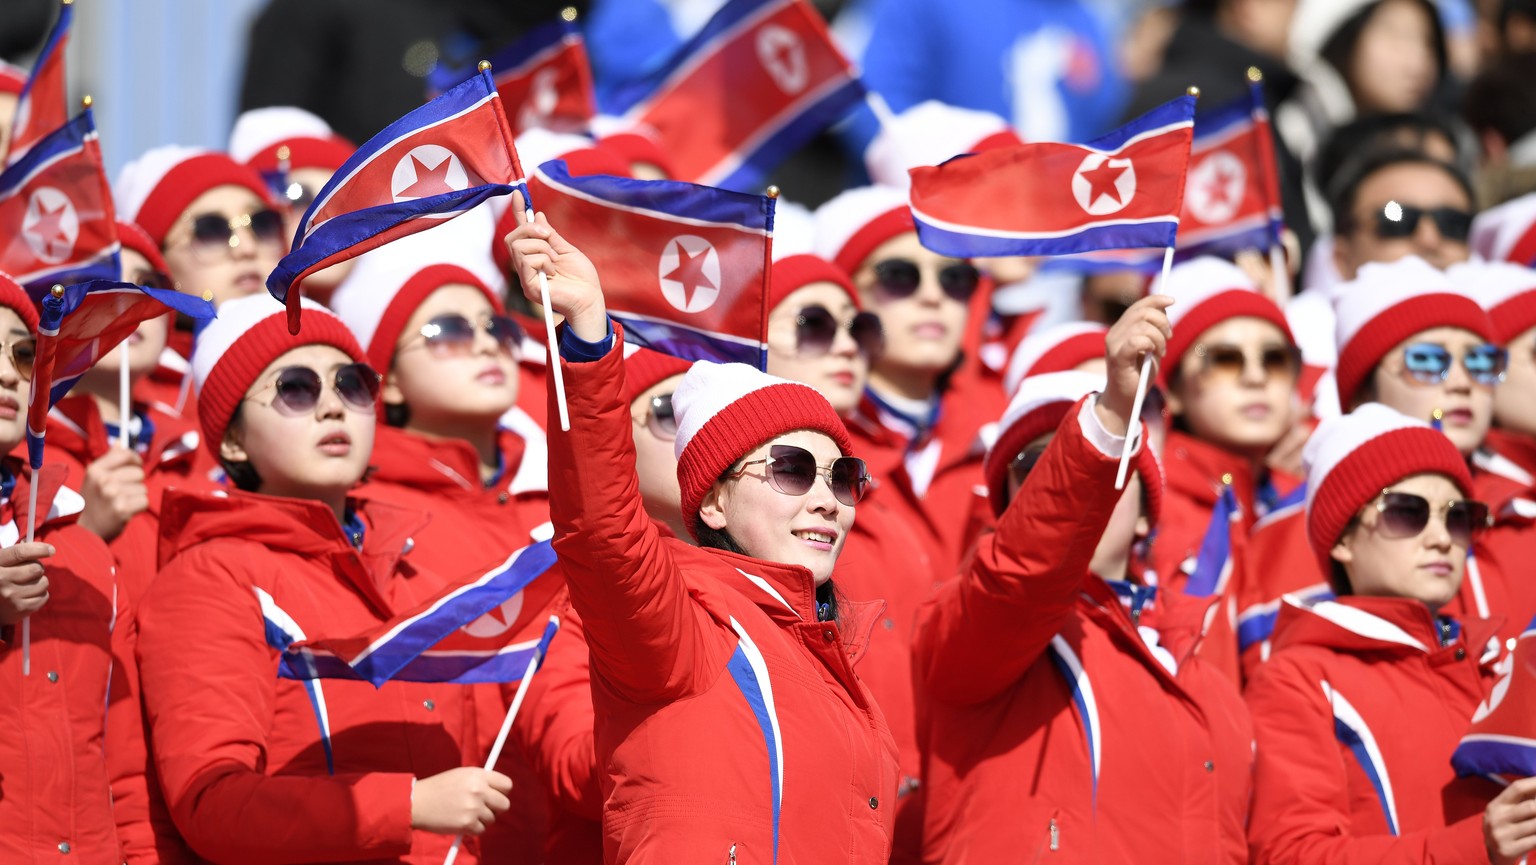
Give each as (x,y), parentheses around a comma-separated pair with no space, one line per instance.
(43,105)
(435,163)
(761,79)
(1502,741)
(544,79)
(484,630)
(685,267)
(1231,199)
(57,223)
(1121,191)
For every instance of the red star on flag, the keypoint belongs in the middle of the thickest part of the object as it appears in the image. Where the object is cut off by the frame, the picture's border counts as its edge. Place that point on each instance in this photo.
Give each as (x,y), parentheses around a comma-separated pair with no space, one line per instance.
(429,181)
(49,225)
(1101,181)
(689,272)
(1217,190)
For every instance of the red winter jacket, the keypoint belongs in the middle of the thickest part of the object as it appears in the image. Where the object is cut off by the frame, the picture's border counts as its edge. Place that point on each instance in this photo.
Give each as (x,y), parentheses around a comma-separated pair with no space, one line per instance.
(729,720)
(258,769)
(1357,712)
(1053,731)
(72,787)
(473,525)
(1508,547)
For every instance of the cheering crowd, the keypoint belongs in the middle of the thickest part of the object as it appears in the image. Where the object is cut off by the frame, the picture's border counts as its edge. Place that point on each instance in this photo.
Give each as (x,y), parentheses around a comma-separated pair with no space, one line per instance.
(945,579)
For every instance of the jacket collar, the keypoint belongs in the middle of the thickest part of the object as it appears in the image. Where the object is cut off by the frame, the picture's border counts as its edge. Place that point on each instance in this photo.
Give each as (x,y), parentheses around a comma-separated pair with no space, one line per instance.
(1361,624)
(451,466)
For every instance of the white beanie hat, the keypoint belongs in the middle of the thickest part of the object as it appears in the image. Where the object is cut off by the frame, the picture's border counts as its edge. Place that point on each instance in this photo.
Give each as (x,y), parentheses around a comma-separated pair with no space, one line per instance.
(1507,232)
(851,225)
(1506,291)
(1055,349)
(260,134)
(1208,291)
(928,133)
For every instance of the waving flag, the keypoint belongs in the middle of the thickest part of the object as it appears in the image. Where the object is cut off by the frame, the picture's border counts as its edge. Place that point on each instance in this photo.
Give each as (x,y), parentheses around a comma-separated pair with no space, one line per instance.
(43,105)
(79,324)
(486,630)
(761,79)
(431,165)
(1121,191)
(1232,196)
(56,218)
(1502,741)
(544,80)
(685,267)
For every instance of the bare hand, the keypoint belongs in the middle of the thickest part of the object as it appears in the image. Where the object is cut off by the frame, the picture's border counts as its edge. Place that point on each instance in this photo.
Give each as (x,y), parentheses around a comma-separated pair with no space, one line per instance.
(1509,823)
(574,289)
(23,586)
(1143,330)
(114,492)
(459,801)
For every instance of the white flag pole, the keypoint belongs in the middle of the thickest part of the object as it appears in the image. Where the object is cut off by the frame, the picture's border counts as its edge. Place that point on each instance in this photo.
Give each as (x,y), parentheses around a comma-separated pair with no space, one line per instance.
(506,723)
(124,409)
(1133,427)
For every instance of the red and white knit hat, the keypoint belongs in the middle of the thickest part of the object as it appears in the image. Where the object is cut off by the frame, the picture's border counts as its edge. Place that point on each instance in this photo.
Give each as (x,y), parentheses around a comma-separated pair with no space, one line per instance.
(1506,291)
(137,239)
(1038,408)
(1507,232)
(853,224)
(14,296)
(644,369)
(261,132)
(13,78)
(929,133)
(1209,291)
(795,262)
(1056,349)
(725,410)
(234,348)
(1388,303)
(1350,459)
(156,188)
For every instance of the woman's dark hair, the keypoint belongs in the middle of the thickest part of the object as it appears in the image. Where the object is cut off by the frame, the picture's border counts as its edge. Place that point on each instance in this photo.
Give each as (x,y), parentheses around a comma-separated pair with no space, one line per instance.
(396,414)
(1340,47)
(242,474)
(1338,578)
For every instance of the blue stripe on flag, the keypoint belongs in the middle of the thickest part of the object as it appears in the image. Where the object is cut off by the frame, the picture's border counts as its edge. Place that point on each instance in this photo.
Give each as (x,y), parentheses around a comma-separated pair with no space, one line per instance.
(961,244)
(1173,113)
(539,39)
(688,343)
(64,142)
(1214,561)
(666,199)
(1495,755)
(723,24)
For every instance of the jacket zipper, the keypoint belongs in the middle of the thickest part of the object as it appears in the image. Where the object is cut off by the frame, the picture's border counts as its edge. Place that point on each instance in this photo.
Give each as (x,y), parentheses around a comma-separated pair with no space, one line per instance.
(1055,836)
(732,859)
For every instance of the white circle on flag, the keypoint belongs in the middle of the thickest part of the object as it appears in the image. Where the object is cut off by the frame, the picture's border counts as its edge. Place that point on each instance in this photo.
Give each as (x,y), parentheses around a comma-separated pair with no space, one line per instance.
(1495,695)
(689,273)
(543,99)
(1102,185)
(1214,190)
(50,226)
(497,621)
(783,54)
(427,170)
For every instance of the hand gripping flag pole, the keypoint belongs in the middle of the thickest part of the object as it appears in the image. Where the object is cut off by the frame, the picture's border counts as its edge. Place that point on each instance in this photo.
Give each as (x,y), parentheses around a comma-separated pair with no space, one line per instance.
(517,703)
(52,313)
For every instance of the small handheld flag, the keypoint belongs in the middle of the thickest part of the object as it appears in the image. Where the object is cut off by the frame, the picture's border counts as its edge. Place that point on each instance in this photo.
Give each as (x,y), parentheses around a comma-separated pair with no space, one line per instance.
(544,78)
(57,223)
(758,81)
(1502,741)
(433,164)
(1124,190)
(44,104)
(1231,200)
(685,267)
(1213,563)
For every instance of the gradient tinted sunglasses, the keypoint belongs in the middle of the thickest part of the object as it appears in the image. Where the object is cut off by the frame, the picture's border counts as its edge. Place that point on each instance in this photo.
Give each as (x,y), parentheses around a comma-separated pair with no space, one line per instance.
(1405,515)
(23,354)
(299,388)
(1395,221)
(660,418)
(898,278)
(792,470)
(216,234)
(453,334)
(1430,363)
(816,330)
(1230,362)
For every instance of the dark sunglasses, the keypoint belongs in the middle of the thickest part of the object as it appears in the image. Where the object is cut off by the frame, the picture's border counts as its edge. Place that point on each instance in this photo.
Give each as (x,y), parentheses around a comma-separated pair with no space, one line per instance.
(1405,515)
(816,330)
(661,419)
(150,278)
(23,353)
(1024,463)
(1396,221)
(453,334)
(898,278)
(296,195)
(792,470)
(1230,362)
(215,232)
(299,388)
(1430,363)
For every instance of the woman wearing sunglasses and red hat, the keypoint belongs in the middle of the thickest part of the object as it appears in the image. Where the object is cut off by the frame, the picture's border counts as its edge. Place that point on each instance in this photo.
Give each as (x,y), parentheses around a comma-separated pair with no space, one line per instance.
(1067,714)
(1364,698)
(744,637)
(257,768)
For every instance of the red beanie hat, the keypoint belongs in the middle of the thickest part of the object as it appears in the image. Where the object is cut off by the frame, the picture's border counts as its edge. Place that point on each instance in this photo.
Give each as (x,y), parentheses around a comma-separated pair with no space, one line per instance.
(853,224)
(234,348)
(1350,459)
(1056,349)
(725,410)
(13,78)
(376,311)
(1038,408)
(264,137)
(155,189)
(137,239)
(635,147)
(644,369)
(1507,292)
(14,296)
(1208,292)
(537,146)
